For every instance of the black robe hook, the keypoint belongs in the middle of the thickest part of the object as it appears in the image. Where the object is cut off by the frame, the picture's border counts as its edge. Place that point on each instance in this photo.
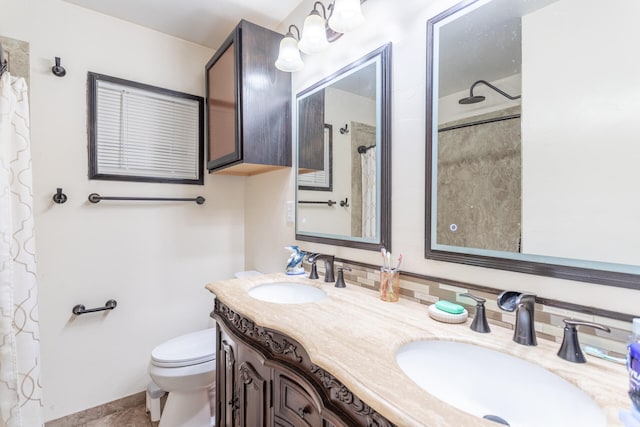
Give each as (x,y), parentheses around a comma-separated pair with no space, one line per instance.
(59,197)
(58,69)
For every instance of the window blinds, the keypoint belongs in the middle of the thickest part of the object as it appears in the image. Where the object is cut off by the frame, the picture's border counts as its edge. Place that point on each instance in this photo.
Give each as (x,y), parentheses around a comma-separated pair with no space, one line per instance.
(140,133)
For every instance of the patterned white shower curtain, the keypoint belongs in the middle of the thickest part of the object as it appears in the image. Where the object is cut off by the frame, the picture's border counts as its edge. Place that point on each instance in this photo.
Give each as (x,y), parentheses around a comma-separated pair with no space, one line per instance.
(369,193)
(20,389)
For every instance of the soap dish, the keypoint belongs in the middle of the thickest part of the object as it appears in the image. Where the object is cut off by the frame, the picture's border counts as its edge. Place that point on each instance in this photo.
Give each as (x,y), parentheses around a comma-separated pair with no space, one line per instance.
(443,316)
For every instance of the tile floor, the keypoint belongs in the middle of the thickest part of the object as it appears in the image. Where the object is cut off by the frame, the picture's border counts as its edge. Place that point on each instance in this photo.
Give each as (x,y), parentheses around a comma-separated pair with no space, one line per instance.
(127,412)
(131,417)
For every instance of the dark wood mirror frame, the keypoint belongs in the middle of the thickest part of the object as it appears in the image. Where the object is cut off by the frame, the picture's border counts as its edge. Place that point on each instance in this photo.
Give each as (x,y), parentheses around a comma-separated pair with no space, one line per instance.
(604,277)
(385,151)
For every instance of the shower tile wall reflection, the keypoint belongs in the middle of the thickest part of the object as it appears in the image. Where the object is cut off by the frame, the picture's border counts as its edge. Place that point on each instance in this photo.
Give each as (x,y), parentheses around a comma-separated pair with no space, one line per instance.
(479,182)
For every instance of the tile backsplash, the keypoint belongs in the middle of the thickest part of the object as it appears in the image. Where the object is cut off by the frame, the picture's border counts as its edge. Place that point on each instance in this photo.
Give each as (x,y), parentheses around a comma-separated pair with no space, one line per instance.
(548,317)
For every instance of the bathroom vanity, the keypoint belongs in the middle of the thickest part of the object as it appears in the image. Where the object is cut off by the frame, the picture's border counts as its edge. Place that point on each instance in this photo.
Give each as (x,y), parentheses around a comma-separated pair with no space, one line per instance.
(266,378)
(332,361)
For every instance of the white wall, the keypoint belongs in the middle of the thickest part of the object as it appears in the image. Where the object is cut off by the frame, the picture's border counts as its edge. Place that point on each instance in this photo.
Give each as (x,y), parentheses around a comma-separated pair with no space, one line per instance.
(153,258)
(405,27)
(601,150)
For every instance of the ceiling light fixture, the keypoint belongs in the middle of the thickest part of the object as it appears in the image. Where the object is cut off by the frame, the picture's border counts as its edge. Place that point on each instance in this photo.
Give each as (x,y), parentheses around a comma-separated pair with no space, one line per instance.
(345,15)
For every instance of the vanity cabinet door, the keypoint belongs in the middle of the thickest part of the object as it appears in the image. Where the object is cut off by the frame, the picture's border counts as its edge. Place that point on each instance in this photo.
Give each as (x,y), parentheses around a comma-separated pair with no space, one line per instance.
(227,400)
(248,104)
(254,389)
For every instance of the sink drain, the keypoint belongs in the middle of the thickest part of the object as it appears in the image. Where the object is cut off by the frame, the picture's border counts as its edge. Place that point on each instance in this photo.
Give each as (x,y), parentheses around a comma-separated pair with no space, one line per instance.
(496,419)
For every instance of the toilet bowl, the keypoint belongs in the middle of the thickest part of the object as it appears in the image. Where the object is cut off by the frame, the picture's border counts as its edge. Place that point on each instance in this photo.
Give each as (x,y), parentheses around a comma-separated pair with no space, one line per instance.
(185,367)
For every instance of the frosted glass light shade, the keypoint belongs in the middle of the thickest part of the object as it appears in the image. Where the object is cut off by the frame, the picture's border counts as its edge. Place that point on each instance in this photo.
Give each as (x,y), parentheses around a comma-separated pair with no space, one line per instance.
(346,16)
(289,59)
(314,34)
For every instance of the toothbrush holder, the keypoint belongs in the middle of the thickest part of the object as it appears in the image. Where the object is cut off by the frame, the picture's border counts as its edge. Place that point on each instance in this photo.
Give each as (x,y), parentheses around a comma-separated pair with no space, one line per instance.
(389,284)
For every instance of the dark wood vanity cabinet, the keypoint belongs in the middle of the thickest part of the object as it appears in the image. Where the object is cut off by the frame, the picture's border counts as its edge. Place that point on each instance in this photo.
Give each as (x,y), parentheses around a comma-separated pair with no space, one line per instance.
(248,104)
(265,378)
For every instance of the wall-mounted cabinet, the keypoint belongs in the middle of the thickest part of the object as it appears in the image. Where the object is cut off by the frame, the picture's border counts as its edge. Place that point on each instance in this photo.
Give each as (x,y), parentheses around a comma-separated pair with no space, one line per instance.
(248,104)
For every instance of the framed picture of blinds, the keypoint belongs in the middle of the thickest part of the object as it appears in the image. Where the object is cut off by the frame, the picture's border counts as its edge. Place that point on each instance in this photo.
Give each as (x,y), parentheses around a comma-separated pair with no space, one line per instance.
(139,132)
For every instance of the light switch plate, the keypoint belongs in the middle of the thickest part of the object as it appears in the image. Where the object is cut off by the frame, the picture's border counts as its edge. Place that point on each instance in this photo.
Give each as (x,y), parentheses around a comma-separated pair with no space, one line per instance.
(290,210)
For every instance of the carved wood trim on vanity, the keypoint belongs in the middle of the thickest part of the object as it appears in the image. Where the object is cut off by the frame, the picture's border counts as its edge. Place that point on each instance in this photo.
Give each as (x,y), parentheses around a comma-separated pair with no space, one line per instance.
(285,351)
(344,395)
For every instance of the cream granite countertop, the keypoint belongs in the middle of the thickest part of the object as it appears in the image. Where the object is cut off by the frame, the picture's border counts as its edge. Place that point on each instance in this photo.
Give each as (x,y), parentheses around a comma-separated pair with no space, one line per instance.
(354,335)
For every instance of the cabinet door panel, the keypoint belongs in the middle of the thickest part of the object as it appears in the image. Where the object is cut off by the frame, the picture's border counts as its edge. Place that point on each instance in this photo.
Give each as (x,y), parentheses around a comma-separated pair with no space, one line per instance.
(311,133)
(254,389)
(222,104)
(227,401)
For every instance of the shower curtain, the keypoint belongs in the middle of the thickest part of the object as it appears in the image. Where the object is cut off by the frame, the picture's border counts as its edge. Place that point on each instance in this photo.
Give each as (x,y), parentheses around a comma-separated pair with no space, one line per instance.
(369,192)
(20,389)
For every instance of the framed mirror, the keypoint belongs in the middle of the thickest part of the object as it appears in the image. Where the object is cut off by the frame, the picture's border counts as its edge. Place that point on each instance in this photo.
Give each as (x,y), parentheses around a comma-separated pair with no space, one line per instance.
(343,186)
(532,152)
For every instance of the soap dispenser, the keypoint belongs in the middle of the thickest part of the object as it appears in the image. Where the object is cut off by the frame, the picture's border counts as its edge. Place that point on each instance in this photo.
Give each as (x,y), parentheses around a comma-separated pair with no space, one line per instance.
(294,264)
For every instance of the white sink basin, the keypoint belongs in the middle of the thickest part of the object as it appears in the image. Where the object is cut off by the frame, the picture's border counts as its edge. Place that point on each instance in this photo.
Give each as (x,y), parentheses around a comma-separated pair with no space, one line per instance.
(287,293)
(483,382)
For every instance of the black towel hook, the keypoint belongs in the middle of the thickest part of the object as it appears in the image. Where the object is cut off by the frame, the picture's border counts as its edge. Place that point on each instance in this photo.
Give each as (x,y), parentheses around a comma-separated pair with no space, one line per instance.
(58,69)
(59,197)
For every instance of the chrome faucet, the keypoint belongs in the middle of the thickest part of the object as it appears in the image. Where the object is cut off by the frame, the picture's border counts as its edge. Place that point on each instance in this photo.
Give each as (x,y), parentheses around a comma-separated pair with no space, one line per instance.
(328,266)
(524,305)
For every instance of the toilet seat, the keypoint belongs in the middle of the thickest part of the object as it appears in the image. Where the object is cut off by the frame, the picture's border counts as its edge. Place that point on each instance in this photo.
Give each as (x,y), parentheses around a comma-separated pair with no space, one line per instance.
(186,350)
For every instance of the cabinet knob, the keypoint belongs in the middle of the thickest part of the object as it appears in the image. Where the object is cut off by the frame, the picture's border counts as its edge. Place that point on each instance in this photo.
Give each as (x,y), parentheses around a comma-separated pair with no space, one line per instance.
(234,404)
(303,411)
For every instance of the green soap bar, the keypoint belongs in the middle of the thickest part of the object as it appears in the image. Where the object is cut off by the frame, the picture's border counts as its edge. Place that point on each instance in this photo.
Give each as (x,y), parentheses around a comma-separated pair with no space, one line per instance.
(449,307)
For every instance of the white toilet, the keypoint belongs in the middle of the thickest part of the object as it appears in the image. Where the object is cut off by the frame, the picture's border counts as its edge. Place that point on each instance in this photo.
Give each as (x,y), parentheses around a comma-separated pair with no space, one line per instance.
(185,367)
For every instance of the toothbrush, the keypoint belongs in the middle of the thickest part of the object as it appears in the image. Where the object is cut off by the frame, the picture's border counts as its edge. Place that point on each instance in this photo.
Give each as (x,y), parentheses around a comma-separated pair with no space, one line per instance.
(399,262)
(383,252)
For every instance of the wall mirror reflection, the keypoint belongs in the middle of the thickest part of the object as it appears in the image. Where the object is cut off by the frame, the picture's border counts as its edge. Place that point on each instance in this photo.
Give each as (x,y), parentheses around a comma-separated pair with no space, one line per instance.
(343,168)
(532,146)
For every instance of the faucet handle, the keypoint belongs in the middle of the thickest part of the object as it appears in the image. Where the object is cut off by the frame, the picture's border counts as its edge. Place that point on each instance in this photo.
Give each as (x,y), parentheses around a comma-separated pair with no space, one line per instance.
(311,257)
(479,323)
(313,274)
(570,348)
(340,282)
